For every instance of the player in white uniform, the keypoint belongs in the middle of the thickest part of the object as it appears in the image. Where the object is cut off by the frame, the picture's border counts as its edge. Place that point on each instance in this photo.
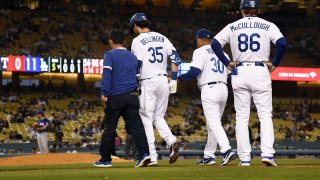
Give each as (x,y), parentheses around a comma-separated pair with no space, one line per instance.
(152,50)
(212,80)
(249,39)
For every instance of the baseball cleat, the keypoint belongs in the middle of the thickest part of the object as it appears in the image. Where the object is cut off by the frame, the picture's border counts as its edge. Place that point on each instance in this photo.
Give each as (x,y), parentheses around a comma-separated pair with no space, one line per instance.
(143,161)
(174,152)
(206,161)
(244,163)
(269,161)
(102,164)
(153,163)
(228,157)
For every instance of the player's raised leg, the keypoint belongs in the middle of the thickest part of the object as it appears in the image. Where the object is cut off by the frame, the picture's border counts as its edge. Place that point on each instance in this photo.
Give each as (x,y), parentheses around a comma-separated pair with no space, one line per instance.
(160,122)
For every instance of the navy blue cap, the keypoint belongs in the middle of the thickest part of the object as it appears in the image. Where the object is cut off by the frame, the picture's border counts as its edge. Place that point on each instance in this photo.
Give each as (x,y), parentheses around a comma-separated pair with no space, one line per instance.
(204,33)
(250,4)
(138,17)
(39,112)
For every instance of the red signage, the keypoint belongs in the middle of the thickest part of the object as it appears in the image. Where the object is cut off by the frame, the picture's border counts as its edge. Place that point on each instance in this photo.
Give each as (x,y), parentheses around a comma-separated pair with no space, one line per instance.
(16,63)
(92,66)
(296,74)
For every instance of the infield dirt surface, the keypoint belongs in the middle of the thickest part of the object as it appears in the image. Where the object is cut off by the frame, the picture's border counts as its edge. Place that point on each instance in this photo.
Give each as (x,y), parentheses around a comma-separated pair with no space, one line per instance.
(54,158)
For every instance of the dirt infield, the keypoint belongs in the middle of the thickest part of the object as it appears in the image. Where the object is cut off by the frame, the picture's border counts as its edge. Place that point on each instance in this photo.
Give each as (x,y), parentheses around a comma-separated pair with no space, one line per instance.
(54,158)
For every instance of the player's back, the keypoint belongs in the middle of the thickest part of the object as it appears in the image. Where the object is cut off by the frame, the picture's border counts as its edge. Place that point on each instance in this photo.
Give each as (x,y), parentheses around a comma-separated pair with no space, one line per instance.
(250,38)
(213,70)
(152,49)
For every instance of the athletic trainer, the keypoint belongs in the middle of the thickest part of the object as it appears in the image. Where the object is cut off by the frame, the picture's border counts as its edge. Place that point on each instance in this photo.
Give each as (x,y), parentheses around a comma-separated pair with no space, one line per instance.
(119,92)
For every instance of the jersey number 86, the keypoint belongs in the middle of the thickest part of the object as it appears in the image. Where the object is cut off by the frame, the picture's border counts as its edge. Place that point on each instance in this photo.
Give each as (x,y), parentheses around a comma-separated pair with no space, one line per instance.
(246,42)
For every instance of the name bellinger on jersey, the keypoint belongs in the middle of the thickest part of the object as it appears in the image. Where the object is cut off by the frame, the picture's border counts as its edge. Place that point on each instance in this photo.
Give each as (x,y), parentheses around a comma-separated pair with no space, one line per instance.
(154,53)
(148,39)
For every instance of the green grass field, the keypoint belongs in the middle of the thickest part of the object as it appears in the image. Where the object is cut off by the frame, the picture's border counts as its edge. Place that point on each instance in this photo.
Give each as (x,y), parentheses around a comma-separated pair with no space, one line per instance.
(288,169)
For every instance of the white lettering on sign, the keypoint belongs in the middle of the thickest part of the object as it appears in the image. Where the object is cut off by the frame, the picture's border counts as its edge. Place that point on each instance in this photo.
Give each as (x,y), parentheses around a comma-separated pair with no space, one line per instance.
(4,62)
(17,63)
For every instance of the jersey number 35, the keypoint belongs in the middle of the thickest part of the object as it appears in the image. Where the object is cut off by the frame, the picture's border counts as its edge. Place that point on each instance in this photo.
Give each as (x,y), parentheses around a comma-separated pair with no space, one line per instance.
(156,54)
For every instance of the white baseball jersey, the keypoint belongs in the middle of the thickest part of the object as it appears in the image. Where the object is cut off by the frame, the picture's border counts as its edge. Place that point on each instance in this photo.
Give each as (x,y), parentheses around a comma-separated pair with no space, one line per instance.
(213,97)
(212,69)
(152,49)
(249,38)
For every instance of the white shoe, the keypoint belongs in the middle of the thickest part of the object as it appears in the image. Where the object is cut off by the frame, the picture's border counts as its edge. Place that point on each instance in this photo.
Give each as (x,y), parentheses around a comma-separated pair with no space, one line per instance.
(153,163)
(244,163)
(269,161)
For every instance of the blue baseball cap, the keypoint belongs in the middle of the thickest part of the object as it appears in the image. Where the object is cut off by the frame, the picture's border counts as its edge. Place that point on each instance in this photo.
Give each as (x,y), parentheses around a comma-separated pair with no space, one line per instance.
(39,112)
(138,17)
(203,33)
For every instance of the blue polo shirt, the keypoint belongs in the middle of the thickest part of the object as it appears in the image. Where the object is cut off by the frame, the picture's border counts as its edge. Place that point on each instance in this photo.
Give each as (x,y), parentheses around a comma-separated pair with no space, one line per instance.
(119,72)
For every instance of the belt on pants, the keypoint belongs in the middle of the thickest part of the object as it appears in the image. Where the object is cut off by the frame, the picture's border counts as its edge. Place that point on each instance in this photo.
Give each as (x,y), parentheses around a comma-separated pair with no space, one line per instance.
(214,82)
(250,63)
(153,77)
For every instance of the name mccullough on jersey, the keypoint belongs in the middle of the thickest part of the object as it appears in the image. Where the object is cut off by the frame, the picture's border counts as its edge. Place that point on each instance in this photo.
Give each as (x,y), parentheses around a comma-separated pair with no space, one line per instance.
(249,25)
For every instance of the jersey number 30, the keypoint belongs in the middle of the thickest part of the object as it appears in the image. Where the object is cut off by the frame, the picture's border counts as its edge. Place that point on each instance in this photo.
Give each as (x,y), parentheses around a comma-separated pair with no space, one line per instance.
(244,43)
(217,66)
(156,54)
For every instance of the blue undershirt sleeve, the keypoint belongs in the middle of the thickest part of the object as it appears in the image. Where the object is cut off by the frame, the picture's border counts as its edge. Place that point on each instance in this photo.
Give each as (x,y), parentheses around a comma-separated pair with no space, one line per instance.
(192,73)
(281,46)
(217,49)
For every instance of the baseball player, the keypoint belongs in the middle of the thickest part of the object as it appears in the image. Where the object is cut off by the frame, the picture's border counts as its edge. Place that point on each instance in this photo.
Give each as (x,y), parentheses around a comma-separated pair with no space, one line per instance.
(42,127)
(212,80)
(152,50)
(249,40)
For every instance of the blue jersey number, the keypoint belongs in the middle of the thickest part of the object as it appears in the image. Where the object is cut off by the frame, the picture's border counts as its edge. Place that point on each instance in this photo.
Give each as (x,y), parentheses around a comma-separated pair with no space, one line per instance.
(217,66)
(244,43)
(156,54)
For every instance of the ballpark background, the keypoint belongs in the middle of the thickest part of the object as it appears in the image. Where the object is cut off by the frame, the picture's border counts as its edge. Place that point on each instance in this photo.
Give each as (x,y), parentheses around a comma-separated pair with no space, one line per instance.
(51,56)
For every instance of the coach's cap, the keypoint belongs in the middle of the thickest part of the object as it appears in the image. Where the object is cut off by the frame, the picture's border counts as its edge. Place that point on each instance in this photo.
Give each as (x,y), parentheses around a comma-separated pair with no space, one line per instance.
(39,112)
(203,33)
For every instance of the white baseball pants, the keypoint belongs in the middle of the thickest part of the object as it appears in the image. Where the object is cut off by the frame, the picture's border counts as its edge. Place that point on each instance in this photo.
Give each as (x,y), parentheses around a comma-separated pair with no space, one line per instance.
(42,139)
(214,98)
(153,106)
(253,81)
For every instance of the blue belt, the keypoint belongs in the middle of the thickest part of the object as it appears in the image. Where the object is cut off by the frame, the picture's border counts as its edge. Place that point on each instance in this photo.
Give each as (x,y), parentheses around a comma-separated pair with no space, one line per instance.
(154,76)
(255,63)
